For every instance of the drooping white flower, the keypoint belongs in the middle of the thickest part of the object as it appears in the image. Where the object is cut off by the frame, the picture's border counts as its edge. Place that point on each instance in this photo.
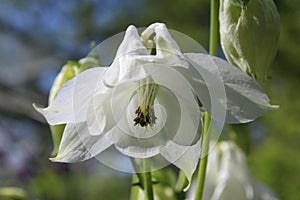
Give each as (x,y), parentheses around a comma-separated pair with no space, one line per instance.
(227,177)
(147,104)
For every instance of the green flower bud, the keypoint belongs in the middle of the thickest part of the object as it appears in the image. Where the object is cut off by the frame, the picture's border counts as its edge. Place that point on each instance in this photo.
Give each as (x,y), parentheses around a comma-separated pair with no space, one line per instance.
(87,63)
(249,31)
(240,3)
(67,72)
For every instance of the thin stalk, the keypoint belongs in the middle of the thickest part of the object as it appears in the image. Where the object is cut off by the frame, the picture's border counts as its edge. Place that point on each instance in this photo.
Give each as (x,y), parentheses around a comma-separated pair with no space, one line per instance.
(213,45)
(134,189)
(147,178)
(203,159)
(139,176)
(214,27)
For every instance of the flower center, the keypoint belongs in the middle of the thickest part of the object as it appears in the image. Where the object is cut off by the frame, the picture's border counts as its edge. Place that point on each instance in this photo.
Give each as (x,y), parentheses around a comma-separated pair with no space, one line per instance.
(146,95)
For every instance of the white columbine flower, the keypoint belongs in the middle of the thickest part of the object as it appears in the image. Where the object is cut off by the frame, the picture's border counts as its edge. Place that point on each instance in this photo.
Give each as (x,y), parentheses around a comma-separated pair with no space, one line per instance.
(147,104)
(227,177)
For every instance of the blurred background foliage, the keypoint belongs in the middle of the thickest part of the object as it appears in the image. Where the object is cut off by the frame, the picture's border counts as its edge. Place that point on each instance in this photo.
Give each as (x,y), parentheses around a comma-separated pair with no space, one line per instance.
(38,37)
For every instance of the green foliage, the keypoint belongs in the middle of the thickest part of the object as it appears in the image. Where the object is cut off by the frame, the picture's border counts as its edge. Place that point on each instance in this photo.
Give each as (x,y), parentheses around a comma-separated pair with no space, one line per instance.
(49,185)
(275,161)
(276,164)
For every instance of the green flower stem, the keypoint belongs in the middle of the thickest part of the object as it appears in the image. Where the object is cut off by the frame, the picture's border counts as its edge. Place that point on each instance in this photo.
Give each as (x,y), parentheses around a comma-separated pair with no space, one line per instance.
(213,45)
(134,188)
(147,182)
(141,181)
(214,27)
(139,176)
(203,159)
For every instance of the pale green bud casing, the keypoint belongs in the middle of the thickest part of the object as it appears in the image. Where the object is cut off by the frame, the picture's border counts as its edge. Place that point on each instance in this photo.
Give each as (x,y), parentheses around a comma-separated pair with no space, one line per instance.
(88,63)
(67,72)
(249,35)
(240,3)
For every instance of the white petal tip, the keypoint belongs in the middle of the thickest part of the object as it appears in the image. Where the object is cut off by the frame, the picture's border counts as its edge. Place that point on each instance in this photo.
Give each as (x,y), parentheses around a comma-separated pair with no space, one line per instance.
(270,107)
(187,187)
(131,28)
(274,107)
(57,159)
(37,107)
(53,159)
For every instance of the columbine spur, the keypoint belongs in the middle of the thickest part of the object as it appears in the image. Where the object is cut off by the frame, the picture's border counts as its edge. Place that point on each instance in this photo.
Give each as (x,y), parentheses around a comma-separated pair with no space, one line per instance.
(147,102)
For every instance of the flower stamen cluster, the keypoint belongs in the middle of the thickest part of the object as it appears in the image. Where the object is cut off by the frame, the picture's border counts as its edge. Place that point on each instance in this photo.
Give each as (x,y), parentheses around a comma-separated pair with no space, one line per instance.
(146,95)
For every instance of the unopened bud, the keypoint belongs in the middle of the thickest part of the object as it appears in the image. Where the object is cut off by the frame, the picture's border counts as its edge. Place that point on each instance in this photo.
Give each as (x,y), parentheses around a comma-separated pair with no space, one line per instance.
(87,63)
(249,31)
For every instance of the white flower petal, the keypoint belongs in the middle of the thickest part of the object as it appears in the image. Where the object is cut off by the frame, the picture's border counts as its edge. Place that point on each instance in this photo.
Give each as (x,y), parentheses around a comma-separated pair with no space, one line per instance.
(207,87)
(99,114)
(132,56)
(245,99)
(96,118)
(60,111)
(174,97)
(125,69)
(131,44)
(128,139)
(125,66)
(137,141)
(231,178)
(183,125)
(71,102)
(183,114)
(136,147)
(78,145)
(185,158)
